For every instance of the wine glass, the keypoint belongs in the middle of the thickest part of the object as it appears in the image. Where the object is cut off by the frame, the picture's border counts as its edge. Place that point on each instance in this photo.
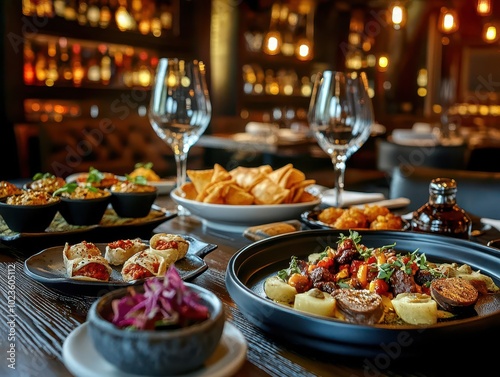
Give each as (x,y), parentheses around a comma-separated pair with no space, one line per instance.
(180,109)
(340,116)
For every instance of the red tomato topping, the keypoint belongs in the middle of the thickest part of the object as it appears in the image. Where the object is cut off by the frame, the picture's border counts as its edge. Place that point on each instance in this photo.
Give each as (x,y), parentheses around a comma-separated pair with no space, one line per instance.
(380,286)
(326,262)
(93,270)
(89,245)
(353,269)
(165,245)
(124,244)
(138,272)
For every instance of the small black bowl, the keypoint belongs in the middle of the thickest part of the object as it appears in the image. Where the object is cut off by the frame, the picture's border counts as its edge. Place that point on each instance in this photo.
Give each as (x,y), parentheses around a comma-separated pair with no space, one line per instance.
(133,204)
(28,218)
(84,211)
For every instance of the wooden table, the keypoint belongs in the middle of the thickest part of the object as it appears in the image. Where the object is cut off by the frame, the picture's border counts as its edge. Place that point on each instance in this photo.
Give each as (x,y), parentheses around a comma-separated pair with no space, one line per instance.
(35,321)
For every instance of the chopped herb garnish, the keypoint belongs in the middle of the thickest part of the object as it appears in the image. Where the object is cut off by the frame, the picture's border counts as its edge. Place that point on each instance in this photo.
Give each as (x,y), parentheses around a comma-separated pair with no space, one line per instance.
(292,269)
(145,165)
(38,176)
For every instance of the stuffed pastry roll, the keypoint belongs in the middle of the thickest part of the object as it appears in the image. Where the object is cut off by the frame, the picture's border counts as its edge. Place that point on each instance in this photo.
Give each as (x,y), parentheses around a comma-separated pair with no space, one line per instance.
(92,268)
(83,249)
(143,265)
(172,247)
(118,252)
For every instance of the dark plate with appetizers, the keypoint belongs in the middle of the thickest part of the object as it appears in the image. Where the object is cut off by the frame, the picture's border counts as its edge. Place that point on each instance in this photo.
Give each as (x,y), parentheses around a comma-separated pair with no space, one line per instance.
(47,267)
(248,269)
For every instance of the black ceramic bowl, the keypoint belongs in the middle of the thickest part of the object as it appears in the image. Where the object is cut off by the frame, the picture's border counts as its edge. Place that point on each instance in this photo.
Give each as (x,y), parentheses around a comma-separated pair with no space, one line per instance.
(28,218)
(161,352)
(84,211)
(133,204)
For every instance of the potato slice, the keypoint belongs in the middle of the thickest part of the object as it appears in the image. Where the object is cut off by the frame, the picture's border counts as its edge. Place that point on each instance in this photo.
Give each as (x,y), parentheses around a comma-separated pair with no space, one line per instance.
(316,302)
(279,291)
(416,308)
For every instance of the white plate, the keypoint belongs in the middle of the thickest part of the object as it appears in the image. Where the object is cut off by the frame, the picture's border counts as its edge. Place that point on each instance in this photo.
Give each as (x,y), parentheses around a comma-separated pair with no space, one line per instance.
(164,186)
(221,215)
(82,359)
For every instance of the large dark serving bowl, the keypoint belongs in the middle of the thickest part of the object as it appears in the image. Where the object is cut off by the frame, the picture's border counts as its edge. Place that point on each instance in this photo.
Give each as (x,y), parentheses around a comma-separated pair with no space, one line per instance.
(250,266)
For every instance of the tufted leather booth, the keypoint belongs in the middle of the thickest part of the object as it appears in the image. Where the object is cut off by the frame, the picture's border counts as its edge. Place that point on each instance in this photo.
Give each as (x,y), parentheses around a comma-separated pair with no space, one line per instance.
(112,145)
(477,192)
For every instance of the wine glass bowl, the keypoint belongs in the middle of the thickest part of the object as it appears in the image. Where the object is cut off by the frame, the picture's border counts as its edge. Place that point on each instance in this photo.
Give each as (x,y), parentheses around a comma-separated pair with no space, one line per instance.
(340,117)
(180,108)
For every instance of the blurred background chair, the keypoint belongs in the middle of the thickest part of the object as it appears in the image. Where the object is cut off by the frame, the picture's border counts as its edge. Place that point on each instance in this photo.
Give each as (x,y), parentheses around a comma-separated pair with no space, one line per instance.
(478,192)
(391,155)
(113,145)
(486,158)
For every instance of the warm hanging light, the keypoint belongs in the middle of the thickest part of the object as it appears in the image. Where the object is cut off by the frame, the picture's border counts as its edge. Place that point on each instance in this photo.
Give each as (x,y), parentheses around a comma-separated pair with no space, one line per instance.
(383,63)
(448,20)
(483,7)
(398,14)
(272,43)
(272,40)
(303,50)
(490,33)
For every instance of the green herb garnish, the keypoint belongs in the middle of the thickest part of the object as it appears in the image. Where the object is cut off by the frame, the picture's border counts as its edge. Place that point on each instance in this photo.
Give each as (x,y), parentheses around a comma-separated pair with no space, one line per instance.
(140,179)
(145,165)
(292,269)
(38,176)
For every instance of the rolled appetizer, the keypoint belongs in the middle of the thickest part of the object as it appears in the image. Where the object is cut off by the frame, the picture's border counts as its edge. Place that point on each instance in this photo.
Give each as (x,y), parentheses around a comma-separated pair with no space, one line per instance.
(83,249)
(143,265)
(92,268)
(172,247)
(117,252)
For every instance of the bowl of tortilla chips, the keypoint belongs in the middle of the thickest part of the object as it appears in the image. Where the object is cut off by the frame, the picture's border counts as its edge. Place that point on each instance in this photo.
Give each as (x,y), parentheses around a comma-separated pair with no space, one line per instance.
(246,196)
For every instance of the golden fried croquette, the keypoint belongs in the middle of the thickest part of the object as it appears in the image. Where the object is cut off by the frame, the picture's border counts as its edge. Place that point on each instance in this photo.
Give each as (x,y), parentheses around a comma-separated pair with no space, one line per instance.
(373,211)
(389,221)
(329,215)
(351,218)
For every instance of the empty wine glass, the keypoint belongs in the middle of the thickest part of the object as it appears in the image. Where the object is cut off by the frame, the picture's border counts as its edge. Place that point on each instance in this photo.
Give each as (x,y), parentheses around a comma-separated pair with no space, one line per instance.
(340,116)
(180,109)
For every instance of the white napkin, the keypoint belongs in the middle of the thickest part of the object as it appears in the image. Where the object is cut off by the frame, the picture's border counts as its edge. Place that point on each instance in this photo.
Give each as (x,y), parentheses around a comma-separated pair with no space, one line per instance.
(350,198)
(493,222)
(412,138)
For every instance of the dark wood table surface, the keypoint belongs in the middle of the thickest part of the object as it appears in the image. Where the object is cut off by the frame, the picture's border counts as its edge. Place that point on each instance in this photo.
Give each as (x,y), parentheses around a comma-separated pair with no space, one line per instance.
(35,321)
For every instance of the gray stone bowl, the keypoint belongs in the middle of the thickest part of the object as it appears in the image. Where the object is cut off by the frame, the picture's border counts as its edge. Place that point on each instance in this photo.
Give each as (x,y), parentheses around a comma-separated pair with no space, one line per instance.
(156,353)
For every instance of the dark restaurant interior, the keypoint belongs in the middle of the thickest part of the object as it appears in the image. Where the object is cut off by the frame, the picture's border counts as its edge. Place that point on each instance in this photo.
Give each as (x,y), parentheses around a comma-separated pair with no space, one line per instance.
(69,65)
(78,93)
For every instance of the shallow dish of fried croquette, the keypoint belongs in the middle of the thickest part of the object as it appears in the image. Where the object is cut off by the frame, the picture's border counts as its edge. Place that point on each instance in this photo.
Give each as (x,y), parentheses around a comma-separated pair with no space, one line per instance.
(368,217)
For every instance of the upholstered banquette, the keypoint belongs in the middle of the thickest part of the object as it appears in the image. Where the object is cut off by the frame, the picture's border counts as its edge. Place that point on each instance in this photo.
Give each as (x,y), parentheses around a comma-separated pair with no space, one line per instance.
(107,144)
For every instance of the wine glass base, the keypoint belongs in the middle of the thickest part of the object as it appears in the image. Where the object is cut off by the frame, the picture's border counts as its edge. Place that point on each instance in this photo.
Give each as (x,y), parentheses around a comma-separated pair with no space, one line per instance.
(182,211)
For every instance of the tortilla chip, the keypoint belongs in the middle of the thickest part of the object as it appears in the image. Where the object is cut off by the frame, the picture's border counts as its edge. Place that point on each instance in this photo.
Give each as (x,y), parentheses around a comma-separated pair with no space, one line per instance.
(220,174)
(189,190)
(292,177)
(237,196)
(268,192)
(247,178)
(278,174)
(200,178)
(216,192)
(306,197)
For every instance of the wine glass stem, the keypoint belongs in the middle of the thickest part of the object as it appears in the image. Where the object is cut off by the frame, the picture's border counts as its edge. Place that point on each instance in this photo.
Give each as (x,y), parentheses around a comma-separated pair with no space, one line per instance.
(181,163)
(338,161)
